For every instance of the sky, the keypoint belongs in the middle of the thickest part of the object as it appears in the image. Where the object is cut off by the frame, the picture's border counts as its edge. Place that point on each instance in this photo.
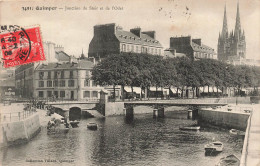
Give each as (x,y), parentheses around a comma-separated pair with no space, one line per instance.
(73,29)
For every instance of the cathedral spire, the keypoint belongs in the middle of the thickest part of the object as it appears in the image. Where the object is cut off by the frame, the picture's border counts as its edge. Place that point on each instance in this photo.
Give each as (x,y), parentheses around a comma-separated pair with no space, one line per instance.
(238,25)
(225,27)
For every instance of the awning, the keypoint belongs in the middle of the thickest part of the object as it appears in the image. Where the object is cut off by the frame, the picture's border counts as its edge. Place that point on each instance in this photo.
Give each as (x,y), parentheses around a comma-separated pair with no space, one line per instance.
(158,89)
(210,89)
(135,89)
(174,90)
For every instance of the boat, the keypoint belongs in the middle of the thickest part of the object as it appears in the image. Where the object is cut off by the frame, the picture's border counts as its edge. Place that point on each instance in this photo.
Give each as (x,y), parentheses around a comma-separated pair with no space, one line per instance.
(237,132)
(230,160)
(53,128)
(56,126)
(92,126)
(214,147)
(74,123)
(195,128)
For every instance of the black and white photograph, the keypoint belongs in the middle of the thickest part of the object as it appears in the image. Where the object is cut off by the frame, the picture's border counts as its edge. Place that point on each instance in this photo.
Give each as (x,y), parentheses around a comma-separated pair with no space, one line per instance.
(130,82)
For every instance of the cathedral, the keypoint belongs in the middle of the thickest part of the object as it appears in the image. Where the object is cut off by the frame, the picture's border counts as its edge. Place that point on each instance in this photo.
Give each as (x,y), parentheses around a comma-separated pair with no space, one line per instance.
(231,45)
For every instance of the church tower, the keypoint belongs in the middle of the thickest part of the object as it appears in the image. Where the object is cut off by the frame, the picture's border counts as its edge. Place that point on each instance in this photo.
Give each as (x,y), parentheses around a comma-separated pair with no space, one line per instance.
(231,46)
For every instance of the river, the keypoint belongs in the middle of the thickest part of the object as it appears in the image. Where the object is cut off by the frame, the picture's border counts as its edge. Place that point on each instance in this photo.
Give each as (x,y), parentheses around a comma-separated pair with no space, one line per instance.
(142,141)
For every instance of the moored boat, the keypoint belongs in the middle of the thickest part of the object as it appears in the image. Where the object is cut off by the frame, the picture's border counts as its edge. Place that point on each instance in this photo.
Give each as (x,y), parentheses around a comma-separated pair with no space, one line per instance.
(195,128)
(92,126)
(74,123)
(214,147)
(236,132)
(230,160)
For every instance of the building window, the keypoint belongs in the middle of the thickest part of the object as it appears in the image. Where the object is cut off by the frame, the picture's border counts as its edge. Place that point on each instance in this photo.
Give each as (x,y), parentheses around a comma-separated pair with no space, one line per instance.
(55,74)
(55,83)
(62,74)
(155,51)
(159,51)
(71,83)
(132,48)
(127,48)
(87,74)
(49,94)
(41,75)
(56,94)
(93,83)
(41,83)
(86,94)
(86,82)
(71,74)
(49,74)
(151,50)
(95,94)
(49,83)
(62,93)
(40,94)
(62,83)
(136,49)
(123,48)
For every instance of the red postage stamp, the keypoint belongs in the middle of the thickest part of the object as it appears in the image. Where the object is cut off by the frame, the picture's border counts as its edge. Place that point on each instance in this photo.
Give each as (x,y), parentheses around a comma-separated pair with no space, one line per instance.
(21,46)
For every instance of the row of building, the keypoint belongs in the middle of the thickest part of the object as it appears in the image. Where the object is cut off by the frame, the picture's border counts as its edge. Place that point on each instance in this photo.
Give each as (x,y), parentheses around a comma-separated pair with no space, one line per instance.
(66,77)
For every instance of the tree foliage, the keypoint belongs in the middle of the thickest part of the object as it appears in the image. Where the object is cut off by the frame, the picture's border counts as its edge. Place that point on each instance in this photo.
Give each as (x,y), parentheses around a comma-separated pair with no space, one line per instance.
(142,70)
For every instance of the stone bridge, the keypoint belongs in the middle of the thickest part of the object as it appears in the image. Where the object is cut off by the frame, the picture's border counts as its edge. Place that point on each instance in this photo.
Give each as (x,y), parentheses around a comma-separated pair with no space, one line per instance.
(76,109)
(159,105)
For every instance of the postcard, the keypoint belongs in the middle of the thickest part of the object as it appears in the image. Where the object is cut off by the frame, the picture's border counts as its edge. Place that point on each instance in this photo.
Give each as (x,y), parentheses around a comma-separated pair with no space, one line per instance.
(128,82)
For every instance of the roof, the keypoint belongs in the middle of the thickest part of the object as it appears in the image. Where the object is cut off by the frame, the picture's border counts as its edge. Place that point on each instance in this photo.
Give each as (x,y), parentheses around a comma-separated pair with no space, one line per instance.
(129,37)
(62,56)
(202,48)
(67,65)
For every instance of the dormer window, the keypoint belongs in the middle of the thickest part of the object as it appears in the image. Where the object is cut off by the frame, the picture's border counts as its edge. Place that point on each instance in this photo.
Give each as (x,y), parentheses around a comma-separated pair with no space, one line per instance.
(41,75)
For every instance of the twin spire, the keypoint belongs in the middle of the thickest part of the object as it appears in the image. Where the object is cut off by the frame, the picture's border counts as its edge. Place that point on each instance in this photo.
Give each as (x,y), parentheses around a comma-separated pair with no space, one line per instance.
(237,31)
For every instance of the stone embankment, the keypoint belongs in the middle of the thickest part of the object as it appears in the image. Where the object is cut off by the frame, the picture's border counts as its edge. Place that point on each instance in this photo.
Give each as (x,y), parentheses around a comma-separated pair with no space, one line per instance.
(18,125)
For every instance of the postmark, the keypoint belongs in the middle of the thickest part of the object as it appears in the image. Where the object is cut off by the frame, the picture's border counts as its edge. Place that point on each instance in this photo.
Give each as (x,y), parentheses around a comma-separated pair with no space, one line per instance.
(21,45)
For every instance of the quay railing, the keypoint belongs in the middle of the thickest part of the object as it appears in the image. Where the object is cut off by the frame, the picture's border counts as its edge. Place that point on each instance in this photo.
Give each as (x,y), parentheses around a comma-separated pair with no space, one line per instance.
(74,101)
(16,116)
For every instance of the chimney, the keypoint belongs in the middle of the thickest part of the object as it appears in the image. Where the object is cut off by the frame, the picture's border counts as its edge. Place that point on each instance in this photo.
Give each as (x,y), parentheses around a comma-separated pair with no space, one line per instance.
(150,33)
(136,31)
(99,30)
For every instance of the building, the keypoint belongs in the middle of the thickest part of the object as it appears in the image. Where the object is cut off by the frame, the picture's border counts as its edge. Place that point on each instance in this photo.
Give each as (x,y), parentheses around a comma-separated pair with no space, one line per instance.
(65,81)
(24,80)
(112,39)
(7,83)
(231,45)
(192,48)
(24,74)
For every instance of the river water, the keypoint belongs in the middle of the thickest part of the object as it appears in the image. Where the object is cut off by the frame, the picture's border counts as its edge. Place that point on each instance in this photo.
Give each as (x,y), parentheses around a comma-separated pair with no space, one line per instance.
(142,141)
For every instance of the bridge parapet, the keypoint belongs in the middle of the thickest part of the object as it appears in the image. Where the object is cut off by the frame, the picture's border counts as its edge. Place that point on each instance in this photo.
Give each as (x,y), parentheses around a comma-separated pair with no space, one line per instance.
(91,101)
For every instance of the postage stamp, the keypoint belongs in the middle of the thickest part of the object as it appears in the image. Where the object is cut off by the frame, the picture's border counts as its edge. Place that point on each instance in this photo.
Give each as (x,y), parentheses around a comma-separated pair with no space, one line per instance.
(21,46)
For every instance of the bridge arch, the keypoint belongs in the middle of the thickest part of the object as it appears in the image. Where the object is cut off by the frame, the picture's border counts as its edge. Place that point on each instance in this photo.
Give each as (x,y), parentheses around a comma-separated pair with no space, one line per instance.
(74,113)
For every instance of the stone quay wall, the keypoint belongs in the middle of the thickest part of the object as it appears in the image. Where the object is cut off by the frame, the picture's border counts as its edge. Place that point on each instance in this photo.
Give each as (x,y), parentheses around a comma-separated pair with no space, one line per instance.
(225,119)
(17,132)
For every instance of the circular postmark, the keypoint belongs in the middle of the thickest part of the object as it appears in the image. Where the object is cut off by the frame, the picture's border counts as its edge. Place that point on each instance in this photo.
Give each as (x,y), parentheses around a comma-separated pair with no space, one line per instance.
(20,46)
(16,43)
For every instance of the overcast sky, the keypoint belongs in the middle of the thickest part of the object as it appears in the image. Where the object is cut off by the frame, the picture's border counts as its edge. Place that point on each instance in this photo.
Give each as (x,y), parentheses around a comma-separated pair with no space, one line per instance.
(198,18)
